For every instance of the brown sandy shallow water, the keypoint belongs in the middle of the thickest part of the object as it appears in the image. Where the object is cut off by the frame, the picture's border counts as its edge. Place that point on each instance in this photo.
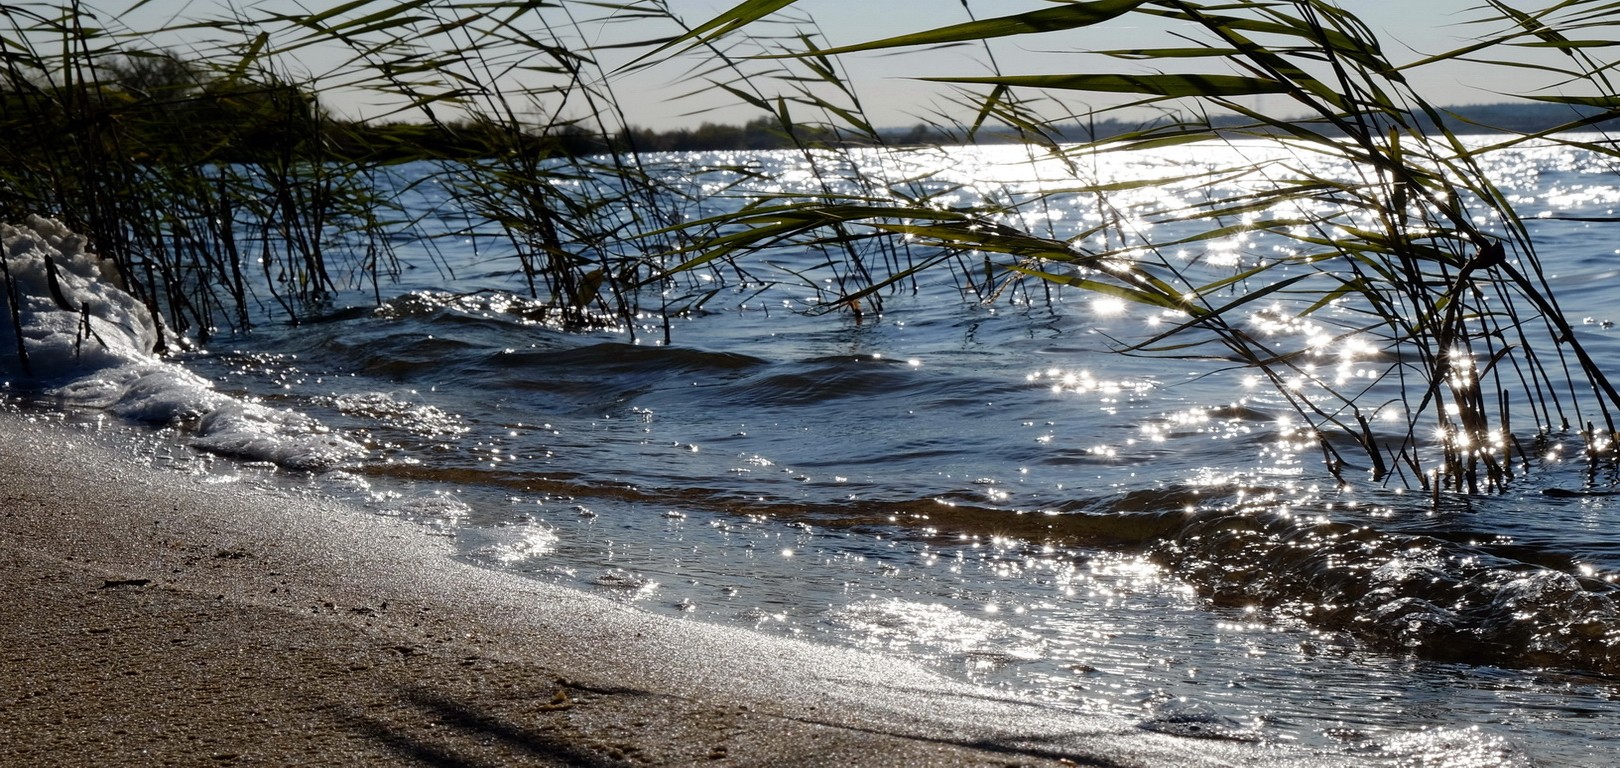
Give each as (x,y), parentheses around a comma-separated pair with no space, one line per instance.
(152,618)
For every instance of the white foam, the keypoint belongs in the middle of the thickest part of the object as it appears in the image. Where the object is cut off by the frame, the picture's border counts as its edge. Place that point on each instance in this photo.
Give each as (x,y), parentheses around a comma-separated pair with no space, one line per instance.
(89,344)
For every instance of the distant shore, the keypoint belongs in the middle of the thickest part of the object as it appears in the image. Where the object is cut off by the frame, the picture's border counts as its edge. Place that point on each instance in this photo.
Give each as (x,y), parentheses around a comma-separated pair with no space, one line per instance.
(155,618)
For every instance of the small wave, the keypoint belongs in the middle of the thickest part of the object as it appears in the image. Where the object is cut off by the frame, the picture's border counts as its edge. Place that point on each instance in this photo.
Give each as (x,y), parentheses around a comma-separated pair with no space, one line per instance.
(822,380)
(595,360)
(416,418)
(1401,593)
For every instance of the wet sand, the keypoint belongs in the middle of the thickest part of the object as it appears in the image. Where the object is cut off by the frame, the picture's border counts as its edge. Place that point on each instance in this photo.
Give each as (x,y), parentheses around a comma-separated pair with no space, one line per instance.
(156,618)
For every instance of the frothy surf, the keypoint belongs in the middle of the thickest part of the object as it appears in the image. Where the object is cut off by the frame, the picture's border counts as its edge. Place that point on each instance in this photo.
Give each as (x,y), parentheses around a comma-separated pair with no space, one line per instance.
(82,342)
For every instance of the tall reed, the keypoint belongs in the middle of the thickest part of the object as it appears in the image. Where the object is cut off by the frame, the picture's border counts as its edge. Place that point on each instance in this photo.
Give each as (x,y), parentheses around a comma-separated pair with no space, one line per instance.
(1464,324)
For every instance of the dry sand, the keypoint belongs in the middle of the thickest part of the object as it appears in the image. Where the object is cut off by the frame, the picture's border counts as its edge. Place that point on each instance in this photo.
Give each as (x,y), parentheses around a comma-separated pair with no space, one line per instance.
(153,618)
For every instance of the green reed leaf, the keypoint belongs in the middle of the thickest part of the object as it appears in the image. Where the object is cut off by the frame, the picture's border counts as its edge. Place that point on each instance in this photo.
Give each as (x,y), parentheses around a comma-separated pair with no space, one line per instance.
(1609,101)
(1160,54)
(1134,295)
(731,20)
(387,17)
(1168,86)
(1070,15)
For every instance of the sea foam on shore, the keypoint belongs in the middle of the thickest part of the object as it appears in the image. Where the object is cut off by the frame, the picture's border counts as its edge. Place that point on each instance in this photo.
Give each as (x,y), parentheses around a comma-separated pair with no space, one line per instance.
(84,342)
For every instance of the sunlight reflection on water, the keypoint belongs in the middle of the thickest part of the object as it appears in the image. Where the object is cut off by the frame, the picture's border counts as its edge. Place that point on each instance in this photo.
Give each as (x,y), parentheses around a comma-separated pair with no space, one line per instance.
(990,489)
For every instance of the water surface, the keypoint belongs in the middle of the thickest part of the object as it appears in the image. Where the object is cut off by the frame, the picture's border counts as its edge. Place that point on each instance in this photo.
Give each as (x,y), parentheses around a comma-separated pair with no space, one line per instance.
(987,486)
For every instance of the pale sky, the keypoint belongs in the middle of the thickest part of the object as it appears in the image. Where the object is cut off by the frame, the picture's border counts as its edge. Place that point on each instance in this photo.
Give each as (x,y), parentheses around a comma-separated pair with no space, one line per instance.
(1411,29)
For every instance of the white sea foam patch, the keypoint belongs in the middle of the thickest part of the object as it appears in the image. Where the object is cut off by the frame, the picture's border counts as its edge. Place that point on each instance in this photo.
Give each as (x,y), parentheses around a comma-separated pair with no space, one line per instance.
(87,343)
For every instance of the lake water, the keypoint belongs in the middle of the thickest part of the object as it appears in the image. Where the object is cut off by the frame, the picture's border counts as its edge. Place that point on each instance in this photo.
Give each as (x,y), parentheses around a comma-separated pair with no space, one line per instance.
(988,486)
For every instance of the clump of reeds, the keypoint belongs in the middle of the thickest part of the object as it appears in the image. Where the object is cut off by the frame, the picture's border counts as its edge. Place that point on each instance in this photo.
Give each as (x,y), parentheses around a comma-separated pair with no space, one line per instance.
(1391,252)
(227,193)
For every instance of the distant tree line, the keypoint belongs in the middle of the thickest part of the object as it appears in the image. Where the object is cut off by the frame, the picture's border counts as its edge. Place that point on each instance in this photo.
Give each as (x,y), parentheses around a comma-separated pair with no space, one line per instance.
(765,133)
(159,107)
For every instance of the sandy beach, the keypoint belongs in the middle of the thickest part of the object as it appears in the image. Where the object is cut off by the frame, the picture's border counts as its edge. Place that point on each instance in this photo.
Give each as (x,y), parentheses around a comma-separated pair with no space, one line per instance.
(154,618)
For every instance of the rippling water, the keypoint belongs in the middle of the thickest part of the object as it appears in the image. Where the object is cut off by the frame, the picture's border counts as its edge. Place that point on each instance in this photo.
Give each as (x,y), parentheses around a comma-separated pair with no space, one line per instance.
(990,488)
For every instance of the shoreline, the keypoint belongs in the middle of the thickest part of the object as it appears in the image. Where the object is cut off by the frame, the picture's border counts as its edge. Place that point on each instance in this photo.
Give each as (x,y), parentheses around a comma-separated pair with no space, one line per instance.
(156,619)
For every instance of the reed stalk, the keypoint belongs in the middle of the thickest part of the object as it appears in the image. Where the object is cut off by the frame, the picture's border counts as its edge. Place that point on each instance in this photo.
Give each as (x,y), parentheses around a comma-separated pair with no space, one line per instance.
(1459,313)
